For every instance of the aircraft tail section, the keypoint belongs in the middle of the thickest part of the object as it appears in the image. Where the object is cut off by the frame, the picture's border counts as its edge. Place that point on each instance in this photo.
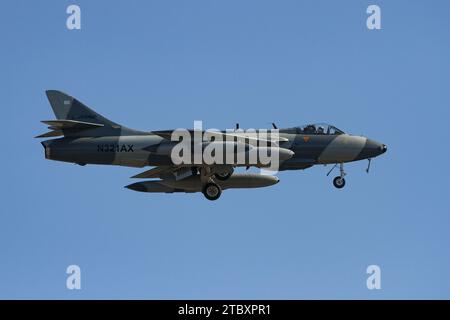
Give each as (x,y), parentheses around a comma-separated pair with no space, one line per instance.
(66,107)
(74,119)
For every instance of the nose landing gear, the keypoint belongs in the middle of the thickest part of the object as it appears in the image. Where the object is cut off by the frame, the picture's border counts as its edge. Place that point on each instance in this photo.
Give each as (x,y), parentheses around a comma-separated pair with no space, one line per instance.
(339,181)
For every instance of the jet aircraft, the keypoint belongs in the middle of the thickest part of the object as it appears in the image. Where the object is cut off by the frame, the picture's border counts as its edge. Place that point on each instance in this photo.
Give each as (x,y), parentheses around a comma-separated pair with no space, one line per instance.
(86,137)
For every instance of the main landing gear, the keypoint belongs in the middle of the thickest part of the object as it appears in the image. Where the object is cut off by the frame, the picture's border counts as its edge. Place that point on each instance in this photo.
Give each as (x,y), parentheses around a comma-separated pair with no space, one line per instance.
(212,191)
(223,175)
(339,181)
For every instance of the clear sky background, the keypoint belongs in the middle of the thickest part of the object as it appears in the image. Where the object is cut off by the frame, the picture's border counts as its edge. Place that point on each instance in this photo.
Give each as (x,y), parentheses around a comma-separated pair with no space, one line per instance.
(163,64)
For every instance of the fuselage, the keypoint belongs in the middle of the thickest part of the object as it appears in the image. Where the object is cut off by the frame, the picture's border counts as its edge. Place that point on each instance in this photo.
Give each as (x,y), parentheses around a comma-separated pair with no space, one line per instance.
(154,150)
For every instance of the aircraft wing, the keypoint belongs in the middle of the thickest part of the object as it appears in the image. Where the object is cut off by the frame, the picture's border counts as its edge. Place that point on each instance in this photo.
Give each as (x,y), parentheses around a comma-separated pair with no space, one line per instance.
(154,172)
(163,172)
(251,139)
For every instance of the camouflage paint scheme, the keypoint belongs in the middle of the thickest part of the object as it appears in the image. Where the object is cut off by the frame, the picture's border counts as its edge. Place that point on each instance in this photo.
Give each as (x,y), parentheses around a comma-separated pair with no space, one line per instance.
(89,138)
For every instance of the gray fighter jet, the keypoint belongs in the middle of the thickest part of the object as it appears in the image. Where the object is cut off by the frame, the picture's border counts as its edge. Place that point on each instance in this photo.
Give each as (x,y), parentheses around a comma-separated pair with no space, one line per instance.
(89,138)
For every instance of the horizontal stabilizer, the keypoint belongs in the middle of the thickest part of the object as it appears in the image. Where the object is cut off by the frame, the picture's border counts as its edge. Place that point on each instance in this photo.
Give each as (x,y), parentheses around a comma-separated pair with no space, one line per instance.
(54,133)
(59,126)
(72,124)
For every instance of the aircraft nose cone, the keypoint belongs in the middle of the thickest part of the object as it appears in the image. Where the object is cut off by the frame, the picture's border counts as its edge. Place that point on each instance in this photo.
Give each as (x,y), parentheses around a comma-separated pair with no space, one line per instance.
(372,149)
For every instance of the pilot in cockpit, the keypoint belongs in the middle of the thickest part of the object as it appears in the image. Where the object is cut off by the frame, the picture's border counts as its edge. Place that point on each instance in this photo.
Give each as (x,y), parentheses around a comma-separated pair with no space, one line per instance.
(311,129)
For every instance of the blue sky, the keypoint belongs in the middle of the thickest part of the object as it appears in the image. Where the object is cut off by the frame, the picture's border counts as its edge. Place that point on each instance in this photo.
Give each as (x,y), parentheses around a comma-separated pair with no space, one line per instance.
(157,65)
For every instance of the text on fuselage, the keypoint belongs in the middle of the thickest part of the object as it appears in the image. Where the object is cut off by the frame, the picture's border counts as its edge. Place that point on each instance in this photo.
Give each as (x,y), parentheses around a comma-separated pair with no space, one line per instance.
(115,148)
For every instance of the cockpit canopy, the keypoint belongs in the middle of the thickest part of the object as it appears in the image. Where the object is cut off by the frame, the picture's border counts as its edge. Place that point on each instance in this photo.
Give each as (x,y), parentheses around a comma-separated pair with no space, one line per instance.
(317,128)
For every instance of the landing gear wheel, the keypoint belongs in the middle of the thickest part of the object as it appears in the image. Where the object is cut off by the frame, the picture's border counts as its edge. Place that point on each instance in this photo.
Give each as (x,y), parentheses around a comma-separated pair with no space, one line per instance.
(212,191)
(223,176)
(339,182)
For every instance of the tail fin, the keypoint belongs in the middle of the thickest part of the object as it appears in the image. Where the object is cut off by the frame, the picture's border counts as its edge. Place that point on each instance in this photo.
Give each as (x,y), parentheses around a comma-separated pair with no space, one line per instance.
(74,119)
(66,107)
